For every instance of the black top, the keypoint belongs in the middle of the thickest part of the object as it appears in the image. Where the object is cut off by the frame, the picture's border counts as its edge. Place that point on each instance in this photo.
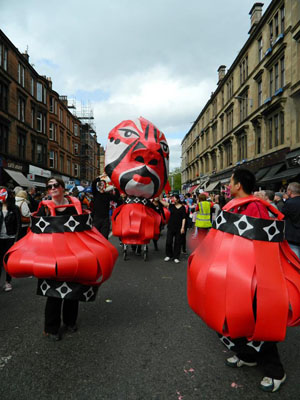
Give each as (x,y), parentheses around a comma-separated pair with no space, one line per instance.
(291,211)
(176,217)
(12,220)
(102,201)
(67,211)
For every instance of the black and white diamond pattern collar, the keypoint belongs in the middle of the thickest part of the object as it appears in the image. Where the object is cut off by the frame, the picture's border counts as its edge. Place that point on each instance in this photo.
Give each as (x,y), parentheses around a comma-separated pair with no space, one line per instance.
(62,223)
(138,200)
(266,230)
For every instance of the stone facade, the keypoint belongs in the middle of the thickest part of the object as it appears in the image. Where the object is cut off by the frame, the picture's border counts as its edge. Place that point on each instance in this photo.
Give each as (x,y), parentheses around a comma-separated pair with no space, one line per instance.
(253,117)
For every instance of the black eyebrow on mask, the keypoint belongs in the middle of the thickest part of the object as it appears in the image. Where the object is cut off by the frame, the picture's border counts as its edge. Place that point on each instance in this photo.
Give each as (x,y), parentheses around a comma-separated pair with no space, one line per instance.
(147,132)
(155,134)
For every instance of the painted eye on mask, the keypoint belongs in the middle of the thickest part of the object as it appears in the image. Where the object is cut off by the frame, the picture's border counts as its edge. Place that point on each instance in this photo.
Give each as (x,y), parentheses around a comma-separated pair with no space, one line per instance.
(164,147)
(127,133)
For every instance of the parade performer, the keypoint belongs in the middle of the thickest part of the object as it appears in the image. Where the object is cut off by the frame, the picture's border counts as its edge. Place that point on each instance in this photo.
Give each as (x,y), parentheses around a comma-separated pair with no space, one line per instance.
(103,194)
(69,256)
(137,162)
(244,282)
(10,227)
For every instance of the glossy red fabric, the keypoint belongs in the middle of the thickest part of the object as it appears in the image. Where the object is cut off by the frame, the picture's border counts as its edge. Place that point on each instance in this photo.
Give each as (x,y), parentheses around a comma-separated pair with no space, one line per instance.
(84,257)
(136,223)
(227,272)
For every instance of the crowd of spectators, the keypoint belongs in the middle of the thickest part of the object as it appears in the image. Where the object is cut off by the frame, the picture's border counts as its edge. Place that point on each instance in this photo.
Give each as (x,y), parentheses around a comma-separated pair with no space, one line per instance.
(189,214)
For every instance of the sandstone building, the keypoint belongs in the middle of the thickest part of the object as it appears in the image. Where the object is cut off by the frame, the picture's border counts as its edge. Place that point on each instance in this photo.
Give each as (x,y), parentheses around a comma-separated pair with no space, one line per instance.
(253,117)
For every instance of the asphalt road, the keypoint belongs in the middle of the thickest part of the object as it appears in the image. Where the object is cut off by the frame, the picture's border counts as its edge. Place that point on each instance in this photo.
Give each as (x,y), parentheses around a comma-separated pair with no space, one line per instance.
(138,340)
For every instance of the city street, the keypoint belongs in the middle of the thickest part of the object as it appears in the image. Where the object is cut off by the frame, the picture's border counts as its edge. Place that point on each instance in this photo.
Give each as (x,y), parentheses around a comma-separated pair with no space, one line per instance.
(138,340)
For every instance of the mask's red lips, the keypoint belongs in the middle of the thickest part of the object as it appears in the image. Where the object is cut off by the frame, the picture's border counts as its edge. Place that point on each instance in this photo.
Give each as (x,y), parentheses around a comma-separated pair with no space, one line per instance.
(145,180)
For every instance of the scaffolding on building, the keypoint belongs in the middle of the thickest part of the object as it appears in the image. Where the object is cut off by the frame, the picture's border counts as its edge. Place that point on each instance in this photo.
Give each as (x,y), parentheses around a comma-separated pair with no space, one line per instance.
(84,112)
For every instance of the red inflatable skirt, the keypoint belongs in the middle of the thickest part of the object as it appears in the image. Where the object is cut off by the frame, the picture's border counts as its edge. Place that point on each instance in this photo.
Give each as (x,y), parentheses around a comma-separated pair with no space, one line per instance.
(136,223)
(74,251)
(243,279)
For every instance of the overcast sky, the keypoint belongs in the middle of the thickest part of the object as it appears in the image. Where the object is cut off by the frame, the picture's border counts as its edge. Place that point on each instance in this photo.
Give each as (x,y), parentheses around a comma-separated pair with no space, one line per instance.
(129,58)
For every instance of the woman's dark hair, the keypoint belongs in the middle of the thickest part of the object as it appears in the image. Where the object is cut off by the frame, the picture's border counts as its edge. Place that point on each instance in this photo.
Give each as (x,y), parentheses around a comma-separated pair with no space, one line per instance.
(58,180)
(177,197)
(246,178)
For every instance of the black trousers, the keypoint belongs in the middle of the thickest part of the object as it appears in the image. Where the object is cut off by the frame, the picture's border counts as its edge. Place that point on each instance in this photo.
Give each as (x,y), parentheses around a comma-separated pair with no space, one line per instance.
(53,309)
(173,244)
(103,225)
(264,353)
(5,245)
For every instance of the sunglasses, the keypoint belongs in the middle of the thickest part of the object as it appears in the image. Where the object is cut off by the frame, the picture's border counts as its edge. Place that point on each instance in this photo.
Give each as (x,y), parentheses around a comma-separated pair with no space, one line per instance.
(53,186)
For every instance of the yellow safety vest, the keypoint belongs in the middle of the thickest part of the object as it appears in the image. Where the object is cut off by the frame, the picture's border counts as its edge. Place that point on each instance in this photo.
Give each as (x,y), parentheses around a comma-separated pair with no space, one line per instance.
(203,215)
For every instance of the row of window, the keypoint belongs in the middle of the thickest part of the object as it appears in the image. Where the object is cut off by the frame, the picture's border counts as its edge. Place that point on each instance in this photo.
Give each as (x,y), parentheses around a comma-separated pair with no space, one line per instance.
(276,84)
(274,138)
(40,116)
(71,168)
(276,73)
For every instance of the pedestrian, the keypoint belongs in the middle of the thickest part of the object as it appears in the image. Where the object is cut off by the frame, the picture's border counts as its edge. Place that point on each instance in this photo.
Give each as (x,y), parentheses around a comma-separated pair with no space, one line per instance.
(160,210)
(183,235)
(203,217)
(269,196)
(291,211)
(23,204)
(101,205)
(32,196)
(216,207)
(10,228)
(278,200)
(176,227)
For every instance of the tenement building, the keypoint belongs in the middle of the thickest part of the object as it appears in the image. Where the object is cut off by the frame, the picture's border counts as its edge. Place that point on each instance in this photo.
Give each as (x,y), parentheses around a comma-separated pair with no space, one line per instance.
(39,135)
(253,117)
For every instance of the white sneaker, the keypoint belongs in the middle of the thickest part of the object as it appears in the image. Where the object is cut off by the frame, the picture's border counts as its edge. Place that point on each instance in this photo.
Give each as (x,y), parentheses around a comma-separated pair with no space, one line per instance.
(7,287)
(236,362)
(270,384)
(176,261)
(167,258)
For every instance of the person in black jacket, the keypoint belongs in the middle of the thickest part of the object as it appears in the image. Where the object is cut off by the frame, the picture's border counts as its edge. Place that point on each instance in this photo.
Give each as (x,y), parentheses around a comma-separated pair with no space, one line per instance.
(102,199)
(291,211)
(10,228)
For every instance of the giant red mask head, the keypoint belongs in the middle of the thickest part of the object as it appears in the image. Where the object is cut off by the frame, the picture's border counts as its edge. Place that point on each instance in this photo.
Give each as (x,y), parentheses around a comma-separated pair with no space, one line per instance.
(137,158)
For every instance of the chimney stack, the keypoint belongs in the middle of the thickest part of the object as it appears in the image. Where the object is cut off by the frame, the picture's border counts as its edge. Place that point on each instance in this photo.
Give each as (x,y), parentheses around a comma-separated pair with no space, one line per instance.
(26,55)
(221,72)
(255,15)
(49,82)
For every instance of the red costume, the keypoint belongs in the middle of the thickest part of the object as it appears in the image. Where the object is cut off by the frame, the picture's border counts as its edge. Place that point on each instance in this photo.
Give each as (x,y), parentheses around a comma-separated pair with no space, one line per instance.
(137,157)
(62,248)
(243,279)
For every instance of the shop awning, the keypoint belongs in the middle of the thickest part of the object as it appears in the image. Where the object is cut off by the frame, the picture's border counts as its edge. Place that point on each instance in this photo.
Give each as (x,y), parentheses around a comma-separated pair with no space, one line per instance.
(288,174)
(18,177)
(291,154)
(212,186)
(38,184)
(261,173)
(193,188)
(271,174)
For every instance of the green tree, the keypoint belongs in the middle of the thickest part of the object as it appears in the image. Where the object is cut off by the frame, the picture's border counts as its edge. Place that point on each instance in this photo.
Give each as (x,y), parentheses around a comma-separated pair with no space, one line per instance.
(175,179)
